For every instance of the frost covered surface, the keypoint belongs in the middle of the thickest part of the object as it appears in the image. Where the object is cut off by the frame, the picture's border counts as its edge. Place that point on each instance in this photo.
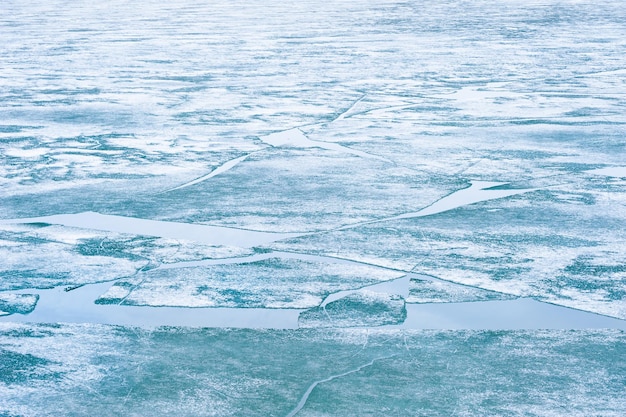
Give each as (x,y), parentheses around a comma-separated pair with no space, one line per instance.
(564,244)
(43,256)
(360,309)
(345,119)
(51,370)
(17,303)
(159,250)
(272,283)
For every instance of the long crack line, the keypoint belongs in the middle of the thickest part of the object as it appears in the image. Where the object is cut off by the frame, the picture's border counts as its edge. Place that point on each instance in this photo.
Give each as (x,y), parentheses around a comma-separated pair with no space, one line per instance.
(217,171)
(344,113)
(308,392)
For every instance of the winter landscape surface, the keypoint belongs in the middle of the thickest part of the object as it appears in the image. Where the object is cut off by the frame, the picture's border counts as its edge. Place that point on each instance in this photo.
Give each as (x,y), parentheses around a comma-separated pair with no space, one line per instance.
(312,208)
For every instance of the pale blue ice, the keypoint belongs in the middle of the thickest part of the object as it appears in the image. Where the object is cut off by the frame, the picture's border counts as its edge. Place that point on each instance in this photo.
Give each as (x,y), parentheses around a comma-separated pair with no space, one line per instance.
(312,208)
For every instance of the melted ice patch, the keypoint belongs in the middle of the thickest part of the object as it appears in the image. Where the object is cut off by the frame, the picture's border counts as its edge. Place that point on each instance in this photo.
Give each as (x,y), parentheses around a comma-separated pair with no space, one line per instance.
(477,192)
(57,305)
(522,313)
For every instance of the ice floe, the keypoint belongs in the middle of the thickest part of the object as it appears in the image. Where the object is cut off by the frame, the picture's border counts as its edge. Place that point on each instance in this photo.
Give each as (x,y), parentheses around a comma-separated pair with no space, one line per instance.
(272,283)
(360,309)
(17,303)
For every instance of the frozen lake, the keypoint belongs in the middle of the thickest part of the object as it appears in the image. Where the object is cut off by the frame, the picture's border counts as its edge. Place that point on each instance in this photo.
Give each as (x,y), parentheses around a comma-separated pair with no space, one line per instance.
(312,208)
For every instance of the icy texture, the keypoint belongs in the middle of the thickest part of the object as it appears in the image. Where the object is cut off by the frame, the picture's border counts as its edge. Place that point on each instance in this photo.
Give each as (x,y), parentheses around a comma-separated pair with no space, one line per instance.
(360,309)
(17,303)
(295,190)
(48,370)
(159,250)
(435,291)
(42,256)
(106,109)
(272,283)
(371,124)
(565,244)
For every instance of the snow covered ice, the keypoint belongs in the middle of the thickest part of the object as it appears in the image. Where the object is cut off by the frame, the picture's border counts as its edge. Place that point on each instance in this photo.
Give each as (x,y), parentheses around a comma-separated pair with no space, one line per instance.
(312,208)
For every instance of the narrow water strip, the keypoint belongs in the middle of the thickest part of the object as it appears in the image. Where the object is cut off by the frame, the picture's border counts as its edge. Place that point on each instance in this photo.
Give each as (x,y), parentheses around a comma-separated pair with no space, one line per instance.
(518,314)
(213,235)
(77,306)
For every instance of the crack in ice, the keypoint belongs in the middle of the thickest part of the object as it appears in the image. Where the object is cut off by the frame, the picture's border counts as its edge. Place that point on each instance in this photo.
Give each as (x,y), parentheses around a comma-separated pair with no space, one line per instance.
(477,192)
(295,138)
(217,171)
(345,113)
(398,286)
(274,254)
(308,392)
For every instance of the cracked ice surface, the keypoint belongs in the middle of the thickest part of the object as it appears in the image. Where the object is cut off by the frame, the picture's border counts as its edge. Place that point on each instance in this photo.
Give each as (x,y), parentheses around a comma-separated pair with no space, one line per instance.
(360,309)
(271,283)
(296,190)
(48,370)
(436,291)
(562,245)
(40,255)
(365,127)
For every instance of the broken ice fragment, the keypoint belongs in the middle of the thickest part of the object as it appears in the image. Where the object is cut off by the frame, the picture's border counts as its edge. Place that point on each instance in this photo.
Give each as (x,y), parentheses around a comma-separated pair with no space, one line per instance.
(17,303)
(360,309)
(270,283)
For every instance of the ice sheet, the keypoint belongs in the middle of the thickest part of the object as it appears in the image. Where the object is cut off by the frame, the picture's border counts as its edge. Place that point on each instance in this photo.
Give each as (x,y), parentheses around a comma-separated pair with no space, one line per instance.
(205,134)
(94,369)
